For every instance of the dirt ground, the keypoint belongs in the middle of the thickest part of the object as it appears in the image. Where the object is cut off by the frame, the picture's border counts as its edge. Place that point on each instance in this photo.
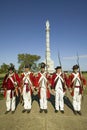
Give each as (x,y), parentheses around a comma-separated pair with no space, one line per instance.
(42,121)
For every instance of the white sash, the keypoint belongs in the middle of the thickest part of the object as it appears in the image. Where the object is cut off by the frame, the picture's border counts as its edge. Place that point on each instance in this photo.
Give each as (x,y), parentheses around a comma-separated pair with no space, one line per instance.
(76,76)
(59,76)
(42,77)
(26,77)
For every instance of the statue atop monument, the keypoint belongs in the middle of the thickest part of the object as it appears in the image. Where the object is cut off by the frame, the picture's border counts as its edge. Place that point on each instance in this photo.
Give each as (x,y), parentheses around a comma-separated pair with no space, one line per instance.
(47,24)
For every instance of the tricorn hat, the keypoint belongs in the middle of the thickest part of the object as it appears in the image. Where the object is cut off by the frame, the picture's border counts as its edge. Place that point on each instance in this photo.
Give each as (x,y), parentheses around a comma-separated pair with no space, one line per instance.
(11,67)
(43,65)
(58,67)
(27,66)
(75,67)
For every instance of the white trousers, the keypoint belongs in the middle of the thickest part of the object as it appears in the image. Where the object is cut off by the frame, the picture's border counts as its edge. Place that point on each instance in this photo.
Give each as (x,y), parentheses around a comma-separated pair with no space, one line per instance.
(77,100)
(10,102)
(43,98)
(59,102)
(26,98)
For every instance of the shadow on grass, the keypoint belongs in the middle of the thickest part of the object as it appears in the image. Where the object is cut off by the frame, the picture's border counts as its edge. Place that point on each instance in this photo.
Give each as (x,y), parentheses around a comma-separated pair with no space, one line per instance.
(66,101)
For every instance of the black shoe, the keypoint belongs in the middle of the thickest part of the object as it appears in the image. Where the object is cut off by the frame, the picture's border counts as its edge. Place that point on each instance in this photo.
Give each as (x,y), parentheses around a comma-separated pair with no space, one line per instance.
(13,112)
(28,111)
(75,112)
(56,111)
(41,110)
(62,111)
(79,112)
(24,111)
(7,112)
(45,110)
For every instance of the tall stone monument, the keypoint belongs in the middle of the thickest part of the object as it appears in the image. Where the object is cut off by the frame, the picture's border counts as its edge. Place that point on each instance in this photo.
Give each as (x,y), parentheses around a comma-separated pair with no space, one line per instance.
(48,60)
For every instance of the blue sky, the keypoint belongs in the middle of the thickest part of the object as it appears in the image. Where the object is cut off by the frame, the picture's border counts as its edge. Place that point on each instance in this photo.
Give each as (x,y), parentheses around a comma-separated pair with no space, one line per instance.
(22,30)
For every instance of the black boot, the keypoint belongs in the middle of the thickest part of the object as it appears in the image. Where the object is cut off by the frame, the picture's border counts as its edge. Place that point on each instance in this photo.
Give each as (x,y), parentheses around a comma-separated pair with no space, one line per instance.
(7,112)
(41,110)
(45,110)
(79,112)
(24,111)
(28,111)
(56,111)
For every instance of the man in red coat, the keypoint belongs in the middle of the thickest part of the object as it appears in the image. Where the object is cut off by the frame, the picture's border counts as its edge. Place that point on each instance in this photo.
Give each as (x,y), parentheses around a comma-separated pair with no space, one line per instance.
(76,83)
(41,83)
(27,84)
(59,81)
(11,84)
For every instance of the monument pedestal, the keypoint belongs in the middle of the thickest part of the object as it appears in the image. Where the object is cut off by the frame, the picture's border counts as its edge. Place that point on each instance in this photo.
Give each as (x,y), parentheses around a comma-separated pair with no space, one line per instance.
(50,66)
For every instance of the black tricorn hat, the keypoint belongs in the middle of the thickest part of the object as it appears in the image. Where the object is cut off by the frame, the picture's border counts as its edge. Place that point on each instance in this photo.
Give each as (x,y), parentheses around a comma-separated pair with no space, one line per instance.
(27,66)
(58,67)
(43,65)
(11,67)
(75,67)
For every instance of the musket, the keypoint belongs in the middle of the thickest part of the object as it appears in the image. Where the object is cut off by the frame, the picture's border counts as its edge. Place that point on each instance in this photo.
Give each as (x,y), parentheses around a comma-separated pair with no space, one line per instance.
(60,65)
(78,64)
(16,86)
(59,60)
(34,68)
(5,92)
(80,73)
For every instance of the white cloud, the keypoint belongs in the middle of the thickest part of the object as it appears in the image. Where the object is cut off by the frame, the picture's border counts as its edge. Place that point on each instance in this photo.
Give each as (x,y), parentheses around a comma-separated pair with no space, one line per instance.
(75,57)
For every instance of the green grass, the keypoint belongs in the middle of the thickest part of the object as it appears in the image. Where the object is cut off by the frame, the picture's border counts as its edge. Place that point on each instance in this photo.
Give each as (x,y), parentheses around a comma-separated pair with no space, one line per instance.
(1,80)
(1,96)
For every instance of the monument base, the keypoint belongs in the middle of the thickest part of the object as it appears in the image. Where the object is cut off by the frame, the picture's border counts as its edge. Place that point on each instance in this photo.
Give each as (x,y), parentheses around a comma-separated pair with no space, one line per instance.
(50,66)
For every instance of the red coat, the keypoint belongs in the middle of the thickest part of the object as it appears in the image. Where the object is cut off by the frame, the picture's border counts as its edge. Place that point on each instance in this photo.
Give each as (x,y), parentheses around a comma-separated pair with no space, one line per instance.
(7,82)
(71,83)
(64,84)
(11,82)
(38,85)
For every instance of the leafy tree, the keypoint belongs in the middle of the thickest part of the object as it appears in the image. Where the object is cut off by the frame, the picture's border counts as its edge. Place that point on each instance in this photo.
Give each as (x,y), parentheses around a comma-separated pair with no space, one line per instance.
(4,68)
(27,59)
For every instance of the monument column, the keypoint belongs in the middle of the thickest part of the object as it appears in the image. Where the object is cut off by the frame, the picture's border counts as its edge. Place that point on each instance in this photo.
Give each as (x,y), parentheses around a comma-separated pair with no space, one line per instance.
(49,62)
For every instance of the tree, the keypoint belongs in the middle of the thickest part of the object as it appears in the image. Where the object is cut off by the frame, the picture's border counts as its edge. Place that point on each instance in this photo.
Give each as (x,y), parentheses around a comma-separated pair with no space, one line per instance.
(27,59)
(4,68)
